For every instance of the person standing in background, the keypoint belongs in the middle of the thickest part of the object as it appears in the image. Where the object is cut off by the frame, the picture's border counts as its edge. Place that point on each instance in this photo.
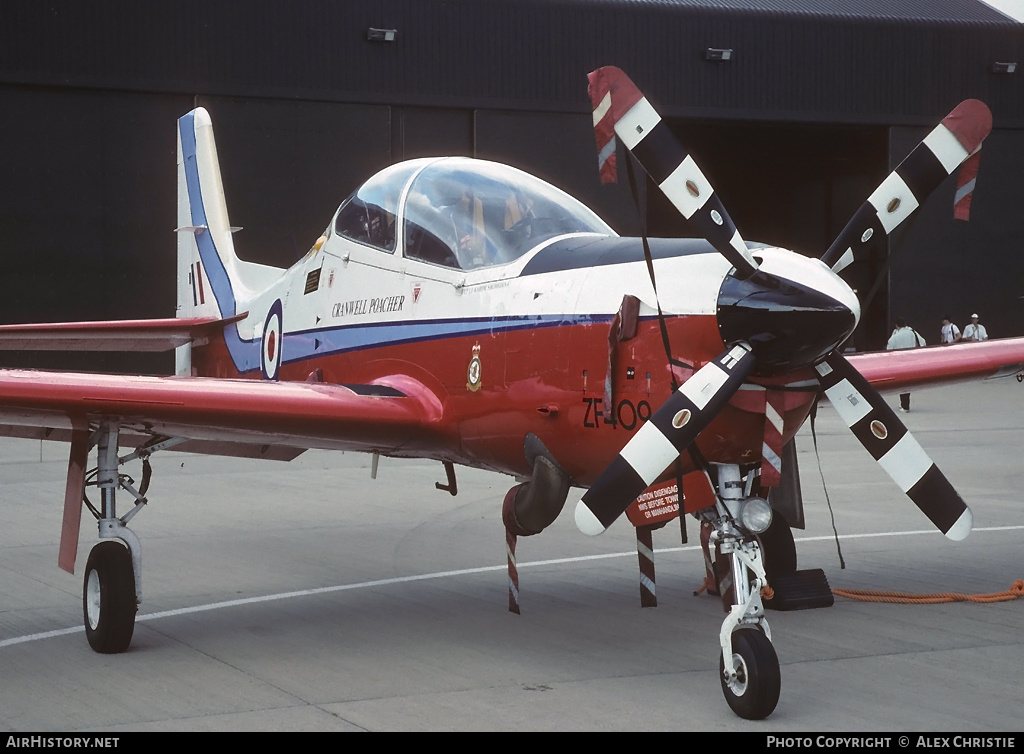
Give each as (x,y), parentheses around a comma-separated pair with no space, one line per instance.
(906,337)
(975,331)
(950,332)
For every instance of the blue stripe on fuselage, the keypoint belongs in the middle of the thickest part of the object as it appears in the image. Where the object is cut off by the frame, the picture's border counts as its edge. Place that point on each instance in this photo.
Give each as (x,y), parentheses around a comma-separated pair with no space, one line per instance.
(302,345)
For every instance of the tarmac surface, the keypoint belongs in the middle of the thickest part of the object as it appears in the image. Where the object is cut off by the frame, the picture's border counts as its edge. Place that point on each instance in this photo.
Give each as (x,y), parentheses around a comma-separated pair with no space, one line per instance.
(306,596)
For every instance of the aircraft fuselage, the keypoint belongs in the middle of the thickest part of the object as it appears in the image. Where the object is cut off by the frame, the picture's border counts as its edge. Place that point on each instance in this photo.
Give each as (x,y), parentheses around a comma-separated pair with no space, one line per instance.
(524,347)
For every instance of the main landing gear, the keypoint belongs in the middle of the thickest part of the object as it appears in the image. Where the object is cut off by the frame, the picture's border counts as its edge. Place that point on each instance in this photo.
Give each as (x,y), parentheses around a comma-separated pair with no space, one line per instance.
(112,588)
(749,666)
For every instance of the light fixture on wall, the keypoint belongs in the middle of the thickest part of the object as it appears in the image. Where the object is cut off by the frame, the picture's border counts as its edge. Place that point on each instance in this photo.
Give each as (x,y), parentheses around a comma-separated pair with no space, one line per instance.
(718,54)
(1004,67)
(381,35)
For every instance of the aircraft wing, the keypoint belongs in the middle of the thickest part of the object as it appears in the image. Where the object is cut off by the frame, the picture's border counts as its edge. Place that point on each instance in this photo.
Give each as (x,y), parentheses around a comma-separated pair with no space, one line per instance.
(225,416)
(892,371)
(113,335)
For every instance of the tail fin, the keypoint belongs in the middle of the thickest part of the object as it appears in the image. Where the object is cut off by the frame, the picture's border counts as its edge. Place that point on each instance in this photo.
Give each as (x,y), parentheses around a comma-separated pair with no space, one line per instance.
(212,280)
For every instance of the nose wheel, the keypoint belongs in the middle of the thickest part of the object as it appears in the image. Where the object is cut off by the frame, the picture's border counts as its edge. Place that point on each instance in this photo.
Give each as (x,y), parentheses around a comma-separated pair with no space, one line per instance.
(108,598)
(751,681)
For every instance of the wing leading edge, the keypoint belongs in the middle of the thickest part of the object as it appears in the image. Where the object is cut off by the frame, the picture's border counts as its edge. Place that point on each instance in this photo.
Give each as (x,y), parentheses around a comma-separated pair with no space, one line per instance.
(393,415)
(892,371)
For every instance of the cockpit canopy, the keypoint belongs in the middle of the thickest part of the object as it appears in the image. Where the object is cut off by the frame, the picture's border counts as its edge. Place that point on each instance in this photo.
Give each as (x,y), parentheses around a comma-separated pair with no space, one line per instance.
(461,213)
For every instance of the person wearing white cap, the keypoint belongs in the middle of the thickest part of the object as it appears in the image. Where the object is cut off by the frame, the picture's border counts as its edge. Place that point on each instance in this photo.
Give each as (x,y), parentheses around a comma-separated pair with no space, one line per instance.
(975,331)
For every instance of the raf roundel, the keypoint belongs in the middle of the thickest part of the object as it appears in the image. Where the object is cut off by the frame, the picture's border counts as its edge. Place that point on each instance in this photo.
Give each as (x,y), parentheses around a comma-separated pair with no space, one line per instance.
(273,340)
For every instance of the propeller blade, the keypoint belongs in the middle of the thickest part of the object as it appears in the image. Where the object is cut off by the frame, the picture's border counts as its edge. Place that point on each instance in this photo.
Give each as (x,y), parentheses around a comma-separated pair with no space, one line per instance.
(620,105)
(889,442)
(660,441)
(956,138)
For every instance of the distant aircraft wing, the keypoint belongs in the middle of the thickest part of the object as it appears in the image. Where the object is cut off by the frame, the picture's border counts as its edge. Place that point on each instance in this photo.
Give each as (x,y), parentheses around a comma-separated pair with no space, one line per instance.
(226,416)
(114,335)
(891,371)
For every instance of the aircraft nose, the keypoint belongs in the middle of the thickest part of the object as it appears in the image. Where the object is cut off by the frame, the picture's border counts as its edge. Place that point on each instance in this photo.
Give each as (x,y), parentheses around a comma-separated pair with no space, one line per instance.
(788,324)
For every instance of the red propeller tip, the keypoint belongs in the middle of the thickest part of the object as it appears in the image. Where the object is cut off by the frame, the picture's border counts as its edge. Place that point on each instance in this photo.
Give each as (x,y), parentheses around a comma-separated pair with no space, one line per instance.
(970,122)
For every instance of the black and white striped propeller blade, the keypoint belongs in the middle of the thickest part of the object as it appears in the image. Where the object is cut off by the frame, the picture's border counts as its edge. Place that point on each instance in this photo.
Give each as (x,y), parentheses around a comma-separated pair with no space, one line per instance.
(956,138)
(889,442)
(658,443)
(618,104)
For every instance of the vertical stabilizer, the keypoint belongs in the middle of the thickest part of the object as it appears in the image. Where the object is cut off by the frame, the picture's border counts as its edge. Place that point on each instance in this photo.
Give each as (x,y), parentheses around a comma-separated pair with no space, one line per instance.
(212,280)
(206,252)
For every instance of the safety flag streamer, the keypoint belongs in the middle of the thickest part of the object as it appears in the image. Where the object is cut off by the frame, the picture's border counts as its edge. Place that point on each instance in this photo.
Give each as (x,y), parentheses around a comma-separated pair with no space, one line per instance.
(965,182)
(612,94)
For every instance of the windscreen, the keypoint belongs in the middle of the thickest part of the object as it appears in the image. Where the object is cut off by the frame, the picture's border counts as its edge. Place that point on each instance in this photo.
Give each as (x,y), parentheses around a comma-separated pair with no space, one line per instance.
(470,213)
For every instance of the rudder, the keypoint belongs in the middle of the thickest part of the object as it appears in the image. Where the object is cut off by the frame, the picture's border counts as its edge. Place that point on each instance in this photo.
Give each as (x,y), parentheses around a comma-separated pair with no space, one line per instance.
(212,280)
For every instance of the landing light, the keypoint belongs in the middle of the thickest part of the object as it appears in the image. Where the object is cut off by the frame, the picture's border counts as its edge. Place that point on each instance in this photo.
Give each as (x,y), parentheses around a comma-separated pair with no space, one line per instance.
(755,515)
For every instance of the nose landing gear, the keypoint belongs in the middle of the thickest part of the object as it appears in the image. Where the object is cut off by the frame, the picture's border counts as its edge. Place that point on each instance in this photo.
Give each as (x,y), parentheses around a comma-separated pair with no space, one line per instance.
(750,675)
(751,682)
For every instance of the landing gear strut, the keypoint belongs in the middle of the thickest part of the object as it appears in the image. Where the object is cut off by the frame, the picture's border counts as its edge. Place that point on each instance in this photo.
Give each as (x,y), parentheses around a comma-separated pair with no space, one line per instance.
(113,585)
(749,666)
(112,589)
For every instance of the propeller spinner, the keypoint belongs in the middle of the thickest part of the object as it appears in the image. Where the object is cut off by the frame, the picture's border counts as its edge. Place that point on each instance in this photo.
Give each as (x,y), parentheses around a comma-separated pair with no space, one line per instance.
(780,319)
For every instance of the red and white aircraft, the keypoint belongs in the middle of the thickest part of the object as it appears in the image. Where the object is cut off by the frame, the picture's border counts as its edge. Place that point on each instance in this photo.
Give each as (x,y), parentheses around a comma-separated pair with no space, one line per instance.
(467,312)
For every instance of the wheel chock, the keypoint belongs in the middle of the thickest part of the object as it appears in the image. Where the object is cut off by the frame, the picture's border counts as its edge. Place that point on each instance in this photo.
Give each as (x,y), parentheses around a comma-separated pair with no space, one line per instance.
(800,590)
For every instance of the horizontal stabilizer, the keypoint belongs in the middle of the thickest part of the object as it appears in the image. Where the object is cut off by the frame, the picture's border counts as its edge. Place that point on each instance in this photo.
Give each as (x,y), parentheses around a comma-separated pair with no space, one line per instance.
(111,335)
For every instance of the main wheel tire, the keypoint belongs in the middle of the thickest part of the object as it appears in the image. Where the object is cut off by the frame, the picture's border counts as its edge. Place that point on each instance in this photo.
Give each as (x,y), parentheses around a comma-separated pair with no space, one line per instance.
(778,548)
(754,692)
(108,598)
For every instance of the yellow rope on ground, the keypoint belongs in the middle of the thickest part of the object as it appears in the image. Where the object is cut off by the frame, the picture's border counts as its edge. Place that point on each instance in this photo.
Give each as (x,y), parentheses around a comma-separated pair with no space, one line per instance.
(1015,591)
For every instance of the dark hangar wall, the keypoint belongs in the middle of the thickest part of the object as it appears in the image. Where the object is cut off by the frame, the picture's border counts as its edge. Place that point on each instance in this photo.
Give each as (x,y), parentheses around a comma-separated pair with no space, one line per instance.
(940,265)
(795,131)
(820,60)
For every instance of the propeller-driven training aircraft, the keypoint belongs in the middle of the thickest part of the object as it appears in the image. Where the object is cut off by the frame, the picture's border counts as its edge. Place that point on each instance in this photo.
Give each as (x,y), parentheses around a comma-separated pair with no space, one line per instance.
(464,311)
